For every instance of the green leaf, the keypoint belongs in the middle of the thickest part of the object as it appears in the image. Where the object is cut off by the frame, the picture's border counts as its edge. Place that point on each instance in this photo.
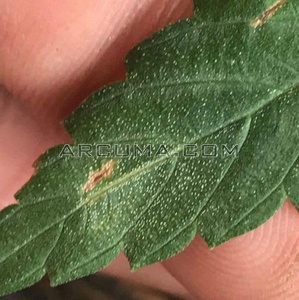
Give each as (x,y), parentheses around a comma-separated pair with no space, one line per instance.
(215,79)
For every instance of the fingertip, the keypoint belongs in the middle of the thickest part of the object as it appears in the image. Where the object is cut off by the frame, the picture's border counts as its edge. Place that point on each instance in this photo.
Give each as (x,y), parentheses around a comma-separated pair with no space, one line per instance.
(72,48)
(23,140)
(262,264)
(154,276)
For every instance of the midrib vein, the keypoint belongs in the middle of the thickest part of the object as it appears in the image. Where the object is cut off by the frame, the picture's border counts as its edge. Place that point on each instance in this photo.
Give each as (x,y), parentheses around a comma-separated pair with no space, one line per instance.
(148,166)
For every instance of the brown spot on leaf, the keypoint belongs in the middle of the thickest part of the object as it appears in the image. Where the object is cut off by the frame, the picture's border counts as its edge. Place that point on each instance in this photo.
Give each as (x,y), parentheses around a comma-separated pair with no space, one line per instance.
(96,176)
(267,14)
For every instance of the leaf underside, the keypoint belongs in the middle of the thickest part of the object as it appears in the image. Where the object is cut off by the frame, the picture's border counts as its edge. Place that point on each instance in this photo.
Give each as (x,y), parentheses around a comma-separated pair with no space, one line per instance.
(212,79)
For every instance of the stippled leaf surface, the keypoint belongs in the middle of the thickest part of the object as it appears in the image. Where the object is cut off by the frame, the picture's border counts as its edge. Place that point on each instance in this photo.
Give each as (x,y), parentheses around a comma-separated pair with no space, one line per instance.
(220,78)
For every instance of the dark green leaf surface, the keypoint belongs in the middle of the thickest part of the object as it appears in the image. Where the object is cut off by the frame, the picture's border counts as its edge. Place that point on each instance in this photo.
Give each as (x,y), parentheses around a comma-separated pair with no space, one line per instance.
(213,79)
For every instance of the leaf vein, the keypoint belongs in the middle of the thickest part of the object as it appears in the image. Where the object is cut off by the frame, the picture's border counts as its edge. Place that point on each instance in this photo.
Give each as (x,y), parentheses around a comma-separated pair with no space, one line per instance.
(259,202)
(200,209)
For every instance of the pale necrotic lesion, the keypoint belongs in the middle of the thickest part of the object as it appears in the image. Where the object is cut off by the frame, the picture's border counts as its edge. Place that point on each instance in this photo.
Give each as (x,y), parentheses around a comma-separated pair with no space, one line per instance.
(96,176)
(268,13)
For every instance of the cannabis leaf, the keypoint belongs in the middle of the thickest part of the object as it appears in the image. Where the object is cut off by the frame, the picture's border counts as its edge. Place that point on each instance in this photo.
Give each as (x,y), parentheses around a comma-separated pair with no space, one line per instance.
(228,76)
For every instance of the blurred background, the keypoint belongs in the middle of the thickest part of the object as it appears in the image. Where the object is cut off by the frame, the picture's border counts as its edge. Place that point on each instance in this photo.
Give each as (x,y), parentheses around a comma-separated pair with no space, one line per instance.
(93,287)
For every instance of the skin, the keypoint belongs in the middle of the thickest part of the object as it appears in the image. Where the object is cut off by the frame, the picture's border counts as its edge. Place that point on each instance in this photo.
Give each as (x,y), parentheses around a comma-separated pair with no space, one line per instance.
(52,55)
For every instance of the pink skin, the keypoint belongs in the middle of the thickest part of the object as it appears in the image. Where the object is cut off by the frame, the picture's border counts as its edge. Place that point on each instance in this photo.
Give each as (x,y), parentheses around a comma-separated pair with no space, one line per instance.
(53,54)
